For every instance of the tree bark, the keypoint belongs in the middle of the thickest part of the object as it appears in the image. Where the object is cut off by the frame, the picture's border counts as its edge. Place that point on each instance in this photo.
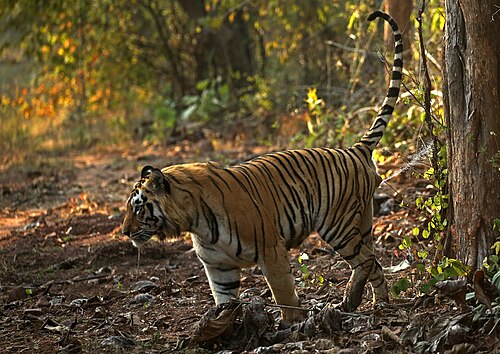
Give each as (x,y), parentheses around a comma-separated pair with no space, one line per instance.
(472,109)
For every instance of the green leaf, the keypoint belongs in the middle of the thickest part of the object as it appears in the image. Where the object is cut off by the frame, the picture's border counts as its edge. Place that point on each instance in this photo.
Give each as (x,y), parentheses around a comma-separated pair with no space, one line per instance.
(450,273)
(496,280)
(401,285)
(188,112)
(202,85)
(434,272)
(433,282)
(304,269)
(425,234)
(496,225)
(416,231)
(496,247)
(423,254)
(406,243)
(440,277)
(429,173)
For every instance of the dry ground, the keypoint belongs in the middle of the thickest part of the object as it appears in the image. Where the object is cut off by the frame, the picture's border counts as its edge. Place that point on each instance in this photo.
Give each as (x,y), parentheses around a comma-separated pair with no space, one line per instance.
(70,283)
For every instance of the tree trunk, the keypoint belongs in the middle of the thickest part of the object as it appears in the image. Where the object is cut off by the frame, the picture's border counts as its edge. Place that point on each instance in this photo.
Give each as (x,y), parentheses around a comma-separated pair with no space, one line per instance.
(472,109)
(224,50)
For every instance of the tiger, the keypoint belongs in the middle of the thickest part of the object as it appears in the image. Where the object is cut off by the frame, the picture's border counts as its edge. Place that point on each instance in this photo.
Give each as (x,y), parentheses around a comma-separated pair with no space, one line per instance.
(252,213)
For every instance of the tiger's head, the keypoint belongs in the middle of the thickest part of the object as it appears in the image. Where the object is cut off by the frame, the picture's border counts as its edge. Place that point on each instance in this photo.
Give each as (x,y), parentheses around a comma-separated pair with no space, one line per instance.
(146,214)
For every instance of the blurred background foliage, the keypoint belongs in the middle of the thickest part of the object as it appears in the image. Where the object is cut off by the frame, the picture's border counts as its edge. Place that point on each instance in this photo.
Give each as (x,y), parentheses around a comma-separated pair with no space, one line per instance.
(75,74)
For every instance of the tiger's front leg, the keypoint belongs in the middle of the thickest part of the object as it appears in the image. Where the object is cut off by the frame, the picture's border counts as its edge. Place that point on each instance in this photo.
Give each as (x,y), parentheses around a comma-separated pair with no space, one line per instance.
(224,282)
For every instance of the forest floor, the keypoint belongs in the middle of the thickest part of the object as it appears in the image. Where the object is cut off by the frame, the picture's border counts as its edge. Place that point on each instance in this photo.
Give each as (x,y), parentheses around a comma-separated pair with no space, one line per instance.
(70,282)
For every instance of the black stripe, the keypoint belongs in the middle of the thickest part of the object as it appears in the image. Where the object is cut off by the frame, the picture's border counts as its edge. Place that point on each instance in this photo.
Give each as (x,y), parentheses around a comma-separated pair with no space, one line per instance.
(305,183)
(344,176)
(251,182)
(363,152)
(330,196)
(386,109)
(378,123)
(312,172)
(368,187)
(216,185)
(299,181)
(367,233)
(396,75)
(212,222)
(393,92)
(289,183)
(224,293)
(318,188)
(238,247)
(374,135)
(364,264)
(256,245)
(263,167)
(392,23)
(223,270)
(398,63)
(251,170)
(220,178)
(355,252)
(251,196)
(228,285)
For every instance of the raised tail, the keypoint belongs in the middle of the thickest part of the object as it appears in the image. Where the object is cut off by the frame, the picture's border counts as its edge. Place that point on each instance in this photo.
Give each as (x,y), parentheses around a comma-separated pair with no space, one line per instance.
(373,136)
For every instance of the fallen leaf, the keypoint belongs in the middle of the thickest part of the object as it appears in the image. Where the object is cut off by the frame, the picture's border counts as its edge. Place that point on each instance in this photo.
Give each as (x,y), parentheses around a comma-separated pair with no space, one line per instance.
(144,286)
(214,324)
(389,335)
(455,290)
(118,341)
(484,290)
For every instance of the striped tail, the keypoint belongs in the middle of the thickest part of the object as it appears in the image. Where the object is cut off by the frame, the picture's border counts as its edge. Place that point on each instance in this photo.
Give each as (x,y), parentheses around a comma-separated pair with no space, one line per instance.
(373,136)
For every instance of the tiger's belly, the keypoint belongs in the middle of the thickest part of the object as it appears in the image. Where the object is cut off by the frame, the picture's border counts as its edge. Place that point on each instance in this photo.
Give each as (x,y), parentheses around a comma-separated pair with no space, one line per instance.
(223,252)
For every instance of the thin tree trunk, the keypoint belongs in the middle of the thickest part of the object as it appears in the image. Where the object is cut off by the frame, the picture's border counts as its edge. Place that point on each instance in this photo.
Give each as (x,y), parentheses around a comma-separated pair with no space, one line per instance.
(472,109)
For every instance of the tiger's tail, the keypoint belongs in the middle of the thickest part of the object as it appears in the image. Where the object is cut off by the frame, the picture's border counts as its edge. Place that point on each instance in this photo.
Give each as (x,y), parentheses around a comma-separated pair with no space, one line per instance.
(373,136)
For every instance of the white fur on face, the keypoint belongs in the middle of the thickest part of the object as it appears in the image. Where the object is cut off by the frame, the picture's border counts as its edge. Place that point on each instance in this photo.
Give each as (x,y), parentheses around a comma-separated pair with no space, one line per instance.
(138,198)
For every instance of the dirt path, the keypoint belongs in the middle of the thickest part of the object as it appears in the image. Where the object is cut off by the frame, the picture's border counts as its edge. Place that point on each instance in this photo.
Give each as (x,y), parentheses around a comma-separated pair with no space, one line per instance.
(70,282)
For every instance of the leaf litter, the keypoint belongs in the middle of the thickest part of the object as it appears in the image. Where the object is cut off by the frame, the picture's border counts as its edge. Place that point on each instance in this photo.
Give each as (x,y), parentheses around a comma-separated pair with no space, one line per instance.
(69,282)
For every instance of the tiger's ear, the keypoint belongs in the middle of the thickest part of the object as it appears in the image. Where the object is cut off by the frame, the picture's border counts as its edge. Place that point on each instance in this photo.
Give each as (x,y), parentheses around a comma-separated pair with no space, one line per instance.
(146,170)
(157,180)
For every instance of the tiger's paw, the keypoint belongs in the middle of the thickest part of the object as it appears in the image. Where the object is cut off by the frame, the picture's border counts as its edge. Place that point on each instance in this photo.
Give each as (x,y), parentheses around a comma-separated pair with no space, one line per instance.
(292,315)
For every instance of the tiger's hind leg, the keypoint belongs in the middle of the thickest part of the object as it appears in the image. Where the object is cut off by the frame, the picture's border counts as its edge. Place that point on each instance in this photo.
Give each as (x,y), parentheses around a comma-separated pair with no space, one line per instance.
(376,277)
(362,261)
(354,246)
